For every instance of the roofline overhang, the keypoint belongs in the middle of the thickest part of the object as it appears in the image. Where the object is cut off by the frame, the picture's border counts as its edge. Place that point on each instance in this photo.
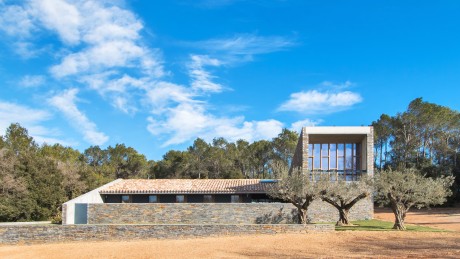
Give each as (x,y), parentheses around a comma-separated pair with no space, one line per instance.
(178,193)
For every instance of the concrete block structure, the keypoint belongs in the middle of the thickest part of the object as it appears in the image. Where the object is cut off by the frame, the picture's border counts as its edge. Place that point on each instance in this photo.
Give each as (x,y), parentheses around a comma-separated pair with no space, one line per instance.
(342,152)
(345,151)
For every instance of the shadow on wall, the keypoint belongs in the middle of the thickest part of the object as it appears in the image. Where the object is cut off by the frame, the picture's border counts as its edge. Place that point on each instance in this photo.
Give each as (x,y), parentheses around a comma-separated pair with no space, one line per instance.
(279,217)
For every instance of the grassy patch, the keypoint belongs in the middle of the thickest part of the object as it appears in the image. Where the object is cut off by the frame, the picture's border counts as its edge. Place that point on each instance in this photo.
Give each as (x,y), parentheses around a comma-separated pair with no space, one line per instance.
(378,225)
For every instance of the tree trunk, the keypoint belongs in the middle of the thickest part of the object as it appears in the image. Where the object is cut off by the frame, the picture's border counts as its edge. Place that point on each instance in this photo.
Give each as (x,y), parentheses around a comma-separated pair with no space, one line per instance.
(343,218)
(400,215)
(399,221)
(302,214)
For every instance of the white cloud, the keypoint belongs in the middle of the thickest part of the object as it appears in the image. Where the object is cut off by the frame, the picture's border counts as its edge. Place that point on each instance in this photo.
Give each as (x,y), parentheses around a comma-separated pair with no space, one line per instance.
(296,126)
(59,16)
(102,49)
(202,79)
(99,38)
(243,47)
(16,21)
(162,95)
(188,121)
(32,120)
(12,113)
(110,39)
(32,81)
(66,103)
(317,102)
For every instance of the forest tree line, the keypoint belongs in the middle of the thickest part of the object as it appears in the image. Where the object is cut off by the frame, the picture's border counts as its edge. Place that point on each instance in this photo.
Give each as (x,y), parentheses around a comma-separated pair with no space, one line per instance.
(425,137)
(36,179)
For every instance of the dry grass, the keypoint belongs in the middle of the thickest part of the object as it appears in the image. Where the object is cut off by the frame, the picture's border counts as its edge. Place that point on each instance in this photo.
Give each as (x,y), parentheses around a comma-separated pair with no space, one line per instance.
(339,244)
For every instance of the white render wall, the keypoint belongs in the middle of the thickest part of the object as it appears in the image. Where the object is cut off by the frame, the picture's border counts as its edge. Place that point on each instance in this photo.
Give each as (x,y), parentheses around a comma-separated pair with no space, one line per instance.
(74,211)
(341,130)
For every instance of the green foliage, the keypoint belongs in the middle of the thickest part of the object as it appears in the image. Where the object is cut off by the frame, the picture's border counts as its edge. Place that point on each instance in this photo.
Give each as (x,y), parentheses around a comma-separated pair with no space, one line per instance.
(297,188)
(403,190)
(223,159)
(426,137)
(36,180)
(343,195)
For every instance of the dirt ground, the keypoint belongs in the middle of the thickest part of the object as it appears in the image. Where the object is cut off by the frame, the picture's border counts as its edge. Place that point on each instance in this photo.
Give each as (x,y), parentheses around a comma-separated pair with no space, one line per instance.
(337,244)
(442,218)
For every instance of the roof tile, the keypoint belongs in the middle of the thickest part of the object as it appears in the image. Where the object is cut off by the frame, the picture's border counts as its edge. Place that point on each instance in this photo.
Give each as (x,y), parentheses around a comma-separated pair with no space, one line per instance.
(187,186)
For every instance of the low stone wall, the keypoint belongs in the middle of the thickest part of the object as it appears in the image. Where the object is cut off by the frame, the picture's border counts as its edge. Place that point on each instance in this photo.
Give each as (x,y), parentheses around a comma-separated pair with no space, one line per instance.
(28,234)
(217,213)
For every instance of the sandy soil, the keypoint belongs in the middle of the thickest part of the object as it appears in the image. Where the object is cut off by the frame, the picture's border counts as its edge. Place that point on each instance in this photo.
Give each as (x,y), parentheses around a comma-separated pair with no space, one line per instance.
(337,244)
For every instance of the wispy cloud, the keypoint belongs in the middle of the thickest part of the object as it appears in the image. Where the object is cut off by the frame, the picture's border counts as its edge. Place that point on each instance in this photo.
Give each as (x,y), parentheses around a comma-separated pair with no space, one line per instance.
(242,47)
(32,120)
(98,38)
(65,102)
(189,120)
(322,102)
(16,21)
(202,80)
(296,126)
(100,47)
(32,81)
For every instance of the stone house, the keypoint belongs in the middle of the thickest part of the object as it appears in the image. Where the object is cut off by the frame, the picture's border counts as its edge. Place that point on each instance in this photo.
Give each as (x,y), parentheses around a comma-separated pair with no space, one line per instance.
(345,152)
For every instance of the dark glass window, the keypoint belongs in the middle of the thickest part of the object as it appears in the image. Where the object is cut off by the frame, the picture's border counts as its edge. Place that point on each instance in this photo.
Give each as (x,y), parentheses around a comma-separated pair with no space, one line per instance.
(153,198)
(125,199)
(180,198)
(207,198)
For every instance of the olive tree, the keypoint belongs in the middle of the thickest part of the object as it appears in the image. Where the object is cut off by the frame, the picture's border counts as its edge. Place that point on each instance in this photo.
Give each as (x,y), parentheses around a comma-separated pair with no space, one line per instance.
(297,188)
(343,195)
(403,190)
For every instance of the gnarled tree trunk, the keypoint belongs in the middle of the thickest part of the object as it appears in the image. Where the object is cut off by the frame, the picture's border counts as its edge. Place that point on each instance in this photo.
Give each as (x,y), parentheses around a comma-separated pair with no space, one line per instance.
(302,215)
(400,214)
(343,218)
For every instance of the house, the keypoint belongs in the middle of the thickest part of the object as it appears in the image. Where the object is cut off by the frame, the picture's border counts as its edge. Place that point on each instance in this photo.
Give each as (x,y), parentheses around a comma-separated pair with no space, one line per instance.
(344,152)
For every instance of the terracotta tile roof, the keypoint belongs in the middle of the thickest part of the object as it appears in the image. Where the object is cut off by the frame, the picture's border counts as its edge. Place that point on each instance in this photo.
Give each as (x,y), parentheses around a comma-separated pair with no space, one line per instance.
(187,186)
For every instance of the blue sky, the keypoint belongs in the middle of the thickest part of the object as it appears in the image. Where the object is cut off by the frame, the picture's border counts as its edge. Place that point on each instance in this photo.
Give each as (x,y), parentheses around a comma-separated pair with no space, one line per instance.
(155,75)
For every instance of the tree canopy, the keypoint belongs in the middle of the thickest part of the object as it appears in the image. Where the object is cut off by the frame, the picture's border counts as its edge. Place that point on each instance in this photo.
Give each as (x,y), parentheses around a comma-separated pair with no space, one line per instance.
(298,188)
(405,189)
(425,137)
(343,195)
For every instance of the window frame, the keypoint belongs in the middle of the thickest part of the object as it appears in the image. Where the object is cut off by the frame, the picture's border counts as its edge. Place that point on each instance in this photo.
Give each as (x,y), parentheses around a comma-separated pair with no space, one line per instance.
(346,157)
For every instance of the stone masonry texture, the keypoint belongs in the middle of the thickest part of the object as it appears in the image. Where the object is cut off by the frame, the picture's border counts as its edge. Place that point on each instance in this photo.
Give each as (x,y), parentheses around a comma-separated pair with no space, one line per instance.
(217,213)
(35,234)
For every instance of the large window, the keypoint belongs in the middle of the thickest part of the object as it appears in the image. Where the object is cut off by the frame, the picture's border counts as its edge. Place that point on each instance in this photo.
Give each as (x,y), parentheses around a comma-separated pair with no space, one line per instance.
(343,159)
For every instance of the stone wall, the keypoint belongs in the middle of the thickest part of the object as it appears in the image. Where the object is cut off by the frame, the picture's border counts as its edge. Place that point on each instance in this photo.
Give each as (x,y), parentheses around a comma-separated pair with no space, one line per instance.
(28,234)
(370,151)
(217,213)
